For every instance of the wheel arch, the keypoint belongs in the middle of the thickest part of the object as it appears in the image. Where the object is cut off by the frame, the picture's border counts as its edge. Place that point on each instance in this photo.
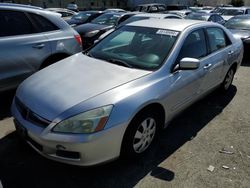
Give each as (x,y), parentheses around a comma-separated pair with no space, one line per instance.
(52,59)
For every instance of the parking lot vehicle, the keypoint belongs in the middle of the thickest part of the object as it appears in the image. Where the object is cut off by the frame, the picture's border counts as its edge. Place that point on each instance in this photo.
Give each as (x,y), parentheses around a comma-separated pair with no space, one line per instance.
(83,17)
(145,16)
(212,17)
(153,7)
(229,12)
(137,79)
(72,6)
(114,10)
(240,27)
(181,13)
(66,13)
(31,39)
(142,16)
(92,31)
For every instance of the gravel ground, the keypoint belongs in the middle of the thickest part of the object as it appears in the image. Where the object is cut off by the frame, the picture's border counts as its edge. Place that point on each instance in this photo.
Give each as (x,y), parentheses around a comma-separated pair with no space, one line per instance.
(180,157)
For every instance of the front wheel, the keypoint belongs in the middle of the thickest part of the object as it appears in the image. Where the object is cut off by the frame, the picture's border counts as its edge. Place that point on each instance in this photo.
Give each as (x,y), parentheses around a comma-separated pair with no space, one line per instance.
(140,134)
(228,80)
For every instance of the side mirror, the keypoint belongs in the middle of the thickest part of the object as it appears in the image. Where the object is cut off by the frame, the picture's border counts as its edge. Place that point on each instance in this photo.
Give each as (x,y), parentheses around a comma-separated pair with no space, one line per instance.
(189,63)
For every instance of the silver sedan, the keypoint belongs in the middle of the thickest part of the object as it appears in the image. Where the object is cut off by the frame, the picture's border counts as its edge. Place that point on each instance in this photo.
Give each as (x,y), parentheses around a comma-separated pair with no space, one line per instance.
(115,98)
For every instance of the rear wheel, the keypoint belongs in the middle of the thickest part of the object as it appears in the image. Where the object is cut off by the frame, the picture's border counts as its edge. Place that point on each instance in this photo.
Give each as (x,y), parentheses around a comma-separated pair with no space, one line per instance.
(140,134)
(228,80)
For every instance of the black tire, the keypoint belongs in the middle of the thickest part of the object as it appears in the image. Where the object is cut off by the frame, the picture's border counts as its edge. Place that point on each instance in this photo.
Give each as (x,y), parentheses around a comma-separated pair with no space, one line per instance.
(129,140)
(227,82)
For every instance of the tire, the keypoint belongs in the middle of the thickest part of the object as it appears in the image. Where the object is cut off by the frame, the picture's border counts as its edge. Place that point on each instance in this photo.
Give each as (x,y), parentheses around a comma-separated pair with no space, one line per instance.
(140,134)
(227,82)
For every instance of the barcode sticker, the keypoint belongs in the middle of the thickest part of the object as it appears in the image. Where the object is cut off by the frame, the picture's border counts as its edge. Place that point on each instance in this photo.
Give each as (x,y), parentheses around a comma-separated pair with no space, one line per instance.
(167,32)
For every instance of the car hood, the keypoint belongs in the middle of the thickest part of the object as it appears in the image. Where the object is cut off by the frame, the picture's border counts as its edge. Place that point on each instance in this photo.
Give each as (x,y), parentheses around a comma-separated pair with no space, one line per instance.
(85,28)
(242,34)
(71,81)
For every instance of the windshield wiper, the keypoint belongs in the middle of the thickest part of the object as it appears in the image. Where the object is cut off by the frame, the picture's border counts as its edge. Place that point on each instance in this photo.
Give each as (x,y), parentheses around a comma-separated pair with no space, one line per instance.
(120,62)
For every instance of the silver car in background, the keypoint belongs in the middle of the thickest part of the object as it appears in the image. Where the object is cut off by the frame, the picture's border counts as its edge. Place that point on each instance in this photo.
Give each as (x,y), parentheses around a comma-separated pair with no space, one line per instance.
(115,98)
(30,39)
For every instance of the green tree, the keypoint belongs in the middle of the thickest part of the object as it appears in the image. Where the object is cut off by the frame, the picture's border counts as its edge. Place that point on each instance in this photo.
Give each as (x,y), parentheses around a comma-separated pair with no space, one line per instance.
(237,3)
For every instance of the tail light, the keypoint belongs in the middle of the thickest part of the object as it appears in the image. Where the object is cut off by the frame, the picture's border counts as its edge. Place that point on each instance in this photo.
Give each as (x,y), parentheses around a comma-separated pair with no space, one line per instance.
(78,39)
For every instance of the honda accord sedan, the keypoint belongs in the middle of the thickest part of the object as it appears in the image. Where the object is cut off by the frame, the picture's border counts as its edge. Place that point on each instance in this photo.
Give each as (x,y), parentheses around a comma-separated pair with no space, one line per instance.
(114,99)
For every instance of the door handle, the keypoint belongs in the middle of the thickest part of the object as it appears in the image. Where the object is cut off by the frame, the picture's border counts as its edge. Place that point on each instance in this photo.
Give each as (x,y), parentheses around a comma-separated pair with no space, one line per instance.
(207,66)
(39,46)
(230,52)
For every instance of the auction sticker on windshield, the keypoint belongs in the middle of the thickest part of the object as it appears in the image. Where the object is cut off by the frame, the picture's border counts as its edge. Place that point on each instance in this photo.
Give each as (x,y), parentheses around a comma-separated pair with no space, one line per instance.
(167,32)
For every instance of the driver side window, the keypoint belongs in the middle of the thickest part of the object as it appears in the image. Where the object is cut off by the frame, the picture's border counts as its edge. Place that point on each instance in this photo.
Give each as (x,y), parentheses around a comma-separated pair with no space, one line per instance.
(194,46)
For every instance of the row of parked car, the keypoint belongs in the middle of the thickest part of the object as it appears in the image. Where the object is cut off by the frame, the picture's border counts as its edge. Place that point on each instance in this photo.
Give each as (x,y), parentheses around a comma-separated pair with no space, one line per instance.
(115,97)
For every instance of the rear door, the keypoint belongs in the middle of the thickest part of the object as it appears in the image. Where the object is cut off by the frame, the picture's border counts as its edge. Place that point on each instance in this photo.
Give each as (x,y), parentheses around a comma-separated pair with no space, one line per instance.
(22,48)
(219,55)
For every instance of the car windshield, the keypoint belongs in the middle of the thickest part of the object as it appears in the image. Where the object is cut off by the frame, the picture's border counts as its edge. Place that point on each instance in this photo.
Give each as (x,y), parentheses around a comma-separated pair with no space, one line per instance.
(106,19)
(231,12)
(238,23)
(133,19)
(136,47)
(196,17)
(81,16)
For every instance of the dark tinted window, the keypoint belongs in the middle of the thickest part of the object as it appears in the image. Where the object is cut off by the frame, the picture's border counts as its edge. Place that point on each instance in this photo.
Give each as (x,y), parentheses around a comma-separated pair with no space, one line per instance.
(14,23)
(194,46)
(122,19)
(217,39)
(65,14)
(43,24)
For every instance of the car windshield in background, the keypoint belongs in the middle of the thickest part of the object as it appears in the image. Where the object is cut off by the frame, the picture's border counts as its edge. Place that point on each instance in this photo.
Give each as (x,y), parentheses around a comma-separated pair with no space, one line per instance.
(81,16)
(196,17)
(231,12)
(238,23)
(137,47)
(106,19)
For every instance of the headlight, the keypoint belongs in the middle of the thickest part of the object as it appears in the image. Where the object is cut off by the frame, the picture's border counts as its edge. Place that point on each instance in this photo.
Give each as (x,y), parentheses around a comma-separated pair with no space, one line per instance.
(92,33)
(87,122)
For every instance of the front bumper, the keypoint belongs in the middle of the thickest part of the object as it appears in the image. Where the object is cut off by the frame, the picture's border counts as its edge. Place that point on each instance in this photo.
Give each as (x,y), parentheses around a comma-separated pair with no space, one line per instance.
(75,149)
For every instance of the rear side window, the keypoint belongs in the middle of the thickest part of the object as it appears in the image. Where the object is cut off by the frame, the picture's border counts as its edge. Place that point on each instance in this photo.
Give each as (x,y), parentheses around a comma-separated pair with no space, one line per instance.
(194,46)
(43,24)
(217,39)
(15,23)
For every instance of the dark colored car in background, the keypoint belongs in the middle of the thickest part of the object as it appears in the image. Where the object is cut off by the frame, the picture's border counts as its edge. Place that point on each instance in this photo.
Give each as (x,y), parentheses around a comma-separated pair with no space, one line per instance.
(240,27)
(212,17)
(83,17)
(92,31)
(153,7)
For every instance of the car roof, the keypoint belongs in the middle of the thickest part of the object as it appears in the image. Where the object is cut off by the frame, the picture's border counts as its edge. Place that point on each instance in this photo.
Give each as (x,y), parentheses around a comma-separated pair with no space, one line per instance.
(151,15)
(19,6)
(203,14)
(91,11)
(170,24)
(233,8)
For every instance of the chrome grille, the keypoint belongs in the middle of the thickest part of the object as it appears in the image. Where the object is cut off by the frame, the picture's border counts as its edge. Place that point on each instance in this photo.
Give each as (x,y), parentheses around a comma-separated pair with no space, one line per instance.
(28,115)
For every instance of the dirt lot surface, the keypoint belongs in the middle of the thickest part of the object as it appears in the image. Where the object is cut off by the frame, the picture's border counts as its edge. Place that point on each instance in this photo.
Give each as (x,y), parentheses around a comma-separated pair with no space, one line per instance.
(180,158)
